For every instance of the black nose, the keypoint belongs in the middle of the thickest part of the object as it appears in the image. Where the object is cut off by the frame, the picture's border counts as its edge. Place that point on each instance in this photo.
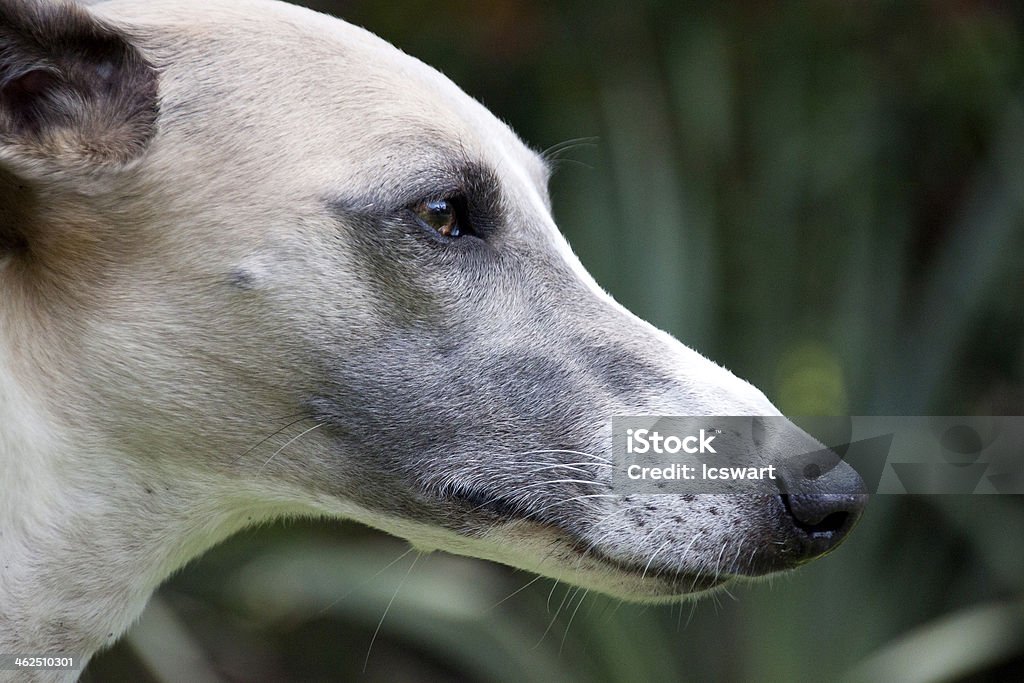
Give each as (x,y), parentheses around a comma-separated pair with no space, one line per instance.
(822,509)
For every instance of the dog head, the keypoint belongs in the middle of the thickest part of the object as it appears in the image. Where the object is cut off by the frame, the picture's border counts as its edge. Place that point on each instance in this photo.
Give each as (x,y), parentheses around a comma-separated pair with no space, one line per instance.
(259,262)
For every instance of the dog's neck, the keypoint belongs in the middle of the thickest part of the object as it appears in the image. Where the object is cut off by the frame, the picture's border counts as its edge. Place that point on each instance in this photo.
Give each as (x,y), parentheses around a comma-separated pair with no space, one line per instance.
(84,540)
(73,574)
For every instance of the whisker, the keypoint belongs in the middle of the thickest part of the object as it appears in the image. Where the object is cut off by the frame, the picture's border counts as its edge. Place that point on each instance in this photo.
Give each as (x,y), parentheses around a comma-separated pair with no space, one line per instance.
(733,565)
(366,581)
(554,618)
(571,617)
(516,592)
(387,609)
(578,466)
(558,162)
(561,481)
(524,487)
(547,604)
(575,498)
(271,436)
(654,555)
(291,441)
(718,561)
(597,525)
(553,152)
(565,450)
(686,553)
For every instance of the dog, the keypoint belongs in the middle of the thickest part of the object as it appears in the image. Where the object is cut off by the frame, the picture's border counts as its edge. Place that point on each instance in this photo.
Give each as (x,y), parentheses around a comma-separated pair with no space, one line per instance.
(256,263)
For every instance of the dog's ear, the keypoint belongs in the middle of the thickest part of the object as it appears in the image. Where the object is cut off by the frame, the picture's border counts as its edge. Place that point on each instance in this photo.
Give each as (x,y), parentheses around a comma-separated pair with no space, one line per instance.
(73,91)
(75,97)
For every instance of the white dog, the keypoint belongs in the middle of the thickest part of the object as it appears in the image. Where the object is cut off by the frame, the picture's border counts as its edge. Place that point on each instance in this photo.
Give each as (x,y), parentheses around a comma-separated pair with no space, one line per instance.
(256,262)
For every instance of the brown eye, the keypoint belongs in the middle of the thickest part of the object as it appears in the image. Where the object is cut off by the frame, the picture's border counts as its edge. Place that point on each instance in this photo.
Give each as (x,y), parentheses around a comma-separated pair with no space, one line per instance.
(439,215)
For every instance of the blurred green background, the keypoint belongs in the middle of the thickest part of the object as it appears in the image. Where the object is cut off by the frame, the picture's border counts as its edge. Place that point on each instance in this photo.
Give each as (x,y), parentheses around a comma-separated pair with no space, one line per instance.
(826,197)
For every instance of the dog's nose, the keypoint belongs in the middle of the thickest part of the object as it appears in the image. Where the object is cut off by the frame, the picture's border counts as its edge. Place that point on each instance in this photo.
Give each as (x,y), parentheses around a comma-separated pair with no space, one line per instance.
(822,510)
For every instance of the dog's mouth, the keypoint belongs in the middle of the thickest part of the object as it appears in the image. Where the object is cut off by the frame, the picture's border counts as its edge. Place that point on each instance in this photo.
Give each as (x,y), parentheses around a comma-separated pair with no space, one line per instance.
(667,582)
(650,580)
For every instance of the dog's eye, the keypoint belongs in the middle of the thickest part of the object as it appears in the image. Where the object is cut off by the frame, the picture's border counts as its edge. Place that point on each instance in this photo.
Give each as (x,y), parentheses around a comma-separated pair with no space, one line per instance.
(444,216)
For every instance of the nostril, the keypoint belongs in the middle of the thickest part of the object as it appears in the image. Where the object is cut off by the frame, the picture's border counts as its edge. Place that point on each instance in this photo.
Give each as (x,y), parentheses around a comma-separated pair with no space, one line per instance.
(832,523)
(823,514)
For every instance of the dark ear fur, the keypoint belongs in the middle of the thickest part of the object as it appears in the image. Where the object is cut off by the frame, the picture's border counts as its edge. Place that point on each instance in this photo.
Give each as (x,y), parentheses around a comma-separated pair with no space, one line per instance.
(75,96)
(72,90)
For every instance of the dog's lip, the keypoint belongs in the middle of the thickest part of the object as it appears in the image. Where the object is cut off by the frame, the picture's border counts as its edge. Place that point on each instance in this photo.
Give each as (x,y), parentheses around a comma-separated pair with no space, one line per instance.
(678,583)
(673,583)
